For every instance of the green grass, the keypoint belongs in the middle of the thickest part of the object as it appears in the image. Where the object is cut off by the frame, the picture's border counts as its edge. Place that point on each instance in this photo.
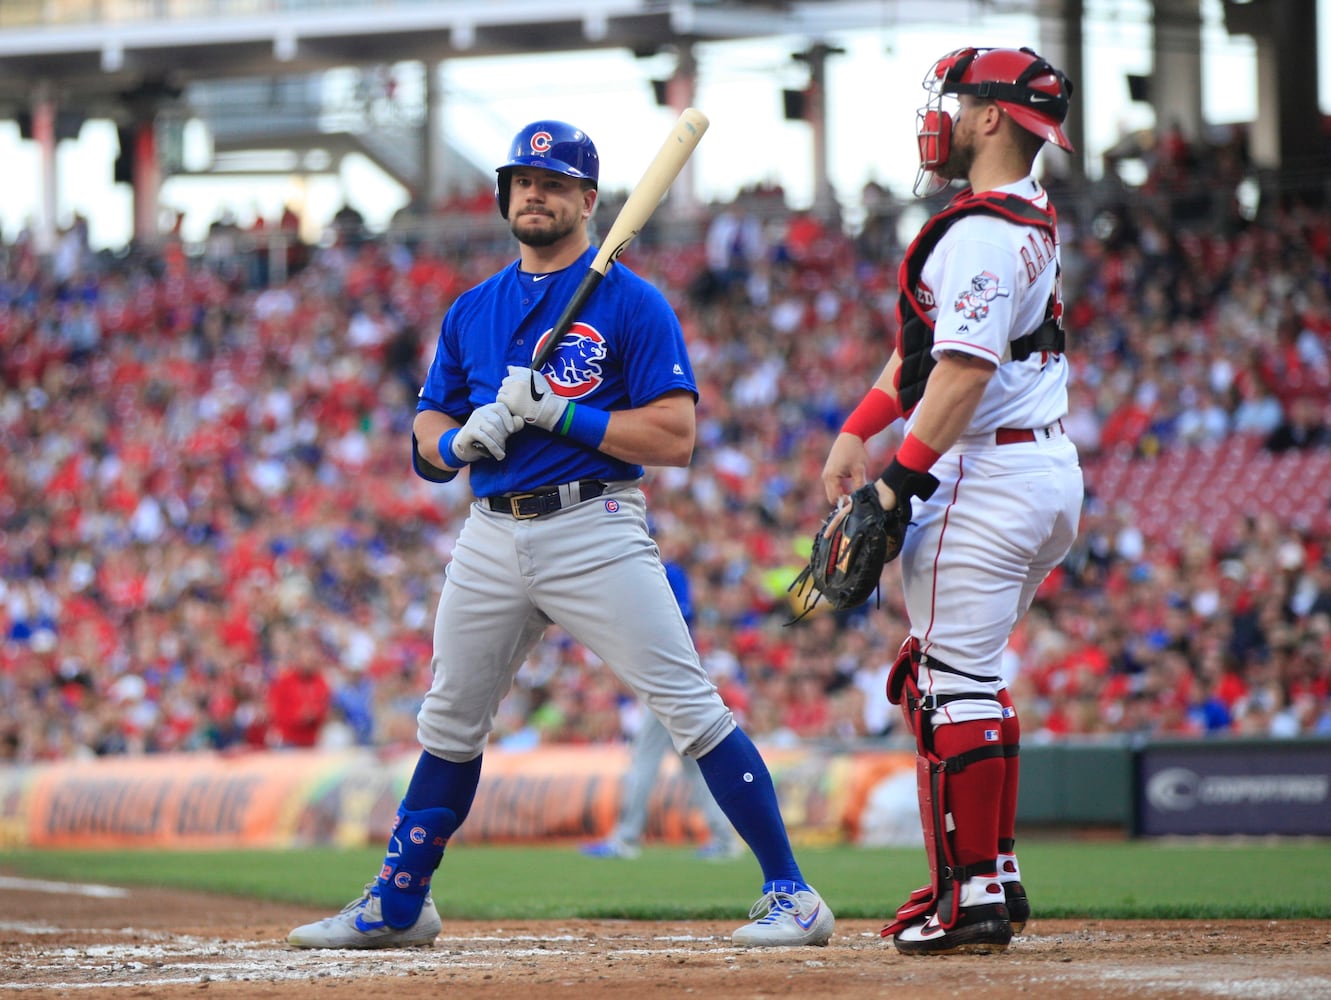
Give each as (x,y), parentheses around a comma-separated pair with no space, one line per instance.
(1066,879)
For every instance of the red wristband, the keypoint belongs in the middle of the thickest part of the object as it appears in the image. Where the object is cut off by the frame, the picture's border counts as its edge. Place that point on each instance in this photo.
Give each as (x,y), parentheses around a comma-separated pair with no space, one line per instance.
(876,410)
(915,455)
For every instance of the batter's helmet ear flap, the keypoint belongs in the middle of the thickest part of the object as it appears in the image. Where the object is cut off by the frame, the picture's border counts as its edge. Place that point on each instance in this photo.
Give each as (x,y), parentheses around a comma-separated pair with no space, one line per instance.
(550,145)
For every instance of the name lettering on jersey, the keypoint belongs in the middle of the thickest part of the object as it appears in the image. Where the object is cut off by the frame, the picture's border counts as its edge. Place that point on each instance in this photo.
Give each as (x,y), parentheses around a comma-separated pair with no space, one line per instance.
(575,369)
(974,303)
(1038,252)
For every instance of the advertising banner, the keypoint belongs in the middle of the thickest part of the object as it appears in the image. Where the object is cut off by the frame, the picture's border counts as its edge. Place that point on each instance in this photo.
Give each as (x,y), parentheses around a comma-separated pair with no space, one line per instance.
(1257,789)
(349,798)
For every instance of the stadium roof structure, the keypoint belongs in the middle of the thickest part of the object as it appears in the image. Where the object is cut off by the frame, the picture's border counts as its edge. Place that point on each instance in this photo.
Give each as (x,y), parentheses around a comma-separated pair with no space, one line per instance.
(91,48)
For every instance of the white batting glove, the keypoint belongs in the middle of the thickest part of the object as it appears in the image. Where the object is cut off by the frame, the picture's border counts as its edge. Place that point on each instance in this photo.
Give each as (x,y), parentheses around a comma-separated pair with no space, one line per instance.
(527,393)
(485,432)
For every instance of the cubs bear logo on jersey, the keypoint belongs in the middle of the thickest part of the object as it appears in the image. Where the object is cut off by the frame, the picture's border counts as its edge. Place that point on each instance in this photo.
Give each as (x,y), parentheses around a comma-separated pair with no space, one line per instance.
(974,304)
(574,370)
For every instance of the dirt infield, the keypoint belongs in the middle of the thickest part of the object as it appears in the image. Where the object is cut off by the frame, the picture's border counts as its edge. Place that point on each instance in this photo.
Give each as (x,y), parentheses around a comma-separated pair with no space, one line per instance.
(90,941)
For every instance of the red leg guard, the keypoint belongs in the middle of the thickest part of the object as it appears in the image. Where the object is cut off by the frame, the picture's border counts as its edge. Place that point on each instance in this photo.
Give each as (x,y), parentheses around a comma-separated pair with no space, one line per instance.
(974,793)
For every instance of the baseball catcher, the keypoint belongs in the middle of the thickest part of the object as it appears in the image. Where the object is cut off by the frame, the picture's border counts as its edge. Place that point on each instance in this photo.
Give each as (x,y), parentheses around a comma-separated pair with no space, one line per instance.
(858,538)
(978,372)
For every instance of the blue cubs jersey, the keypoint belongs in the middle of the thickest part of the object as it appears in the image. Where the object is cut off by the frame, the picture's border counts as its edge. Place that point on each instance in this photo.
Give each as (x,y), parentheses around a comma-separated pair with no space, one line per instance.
(625,349)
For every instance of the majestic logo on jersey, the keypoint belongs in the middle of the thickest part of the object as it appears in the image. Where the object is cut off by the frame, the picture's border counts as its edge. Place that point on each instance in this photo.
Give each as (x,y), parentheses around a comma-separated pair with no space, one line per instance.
(974,304)
(575,369)
(541,142)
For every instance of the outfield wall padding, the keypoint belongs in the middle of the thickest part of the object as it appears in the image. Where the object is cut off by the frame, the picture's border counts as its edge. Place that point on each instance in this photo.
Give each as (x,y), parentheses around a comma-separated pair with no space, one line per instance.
(861,796)
(348,798)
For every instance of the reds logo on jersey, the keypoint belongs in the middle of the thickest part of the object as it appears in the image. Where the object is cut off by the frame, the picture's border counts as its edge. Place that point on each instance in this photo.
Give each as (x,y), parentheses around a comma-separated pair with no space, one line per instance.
(541,142)
(924,295)
(575,369)
(974,304)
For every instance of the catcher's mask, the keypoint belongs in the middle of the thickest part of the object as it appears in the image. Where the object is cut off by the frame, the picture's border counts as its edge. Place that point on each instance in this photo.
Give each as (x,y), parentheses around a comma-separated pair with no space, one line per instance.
(1028,89)
(550,145)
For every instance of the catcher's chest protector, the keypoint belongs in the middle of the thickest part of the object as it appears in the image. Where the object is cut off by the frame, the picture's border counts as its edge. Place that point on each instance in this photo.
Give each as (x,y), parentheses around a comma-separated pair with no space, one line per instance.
(916,338)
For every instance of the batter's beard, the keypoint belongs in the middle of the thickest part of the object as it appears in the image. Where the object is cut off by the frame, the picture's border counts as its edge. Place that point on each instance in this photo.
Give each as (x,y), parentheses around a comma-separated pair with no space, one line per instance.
(543,237)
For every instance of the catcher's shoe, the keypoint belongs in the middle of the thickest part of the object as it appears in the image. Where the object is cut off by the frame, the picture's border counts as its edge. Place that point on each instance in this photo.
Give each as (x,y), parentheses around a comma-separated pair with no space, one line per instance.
(1018,906)
(983,927)
(789,913)
(361,925)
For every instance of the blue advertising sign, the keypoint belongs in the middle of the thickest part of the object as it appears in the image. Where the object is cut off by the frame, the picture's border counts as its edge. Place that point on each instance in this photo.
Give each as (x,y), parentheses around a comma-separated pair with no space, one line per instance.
(1237,788)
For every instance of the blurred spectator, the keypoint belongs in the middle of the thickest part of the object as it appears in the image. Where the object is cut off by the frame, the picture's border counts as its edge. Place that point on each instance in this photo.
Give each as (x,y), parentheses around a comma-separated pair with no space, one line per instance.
(299,700)
(1303,427)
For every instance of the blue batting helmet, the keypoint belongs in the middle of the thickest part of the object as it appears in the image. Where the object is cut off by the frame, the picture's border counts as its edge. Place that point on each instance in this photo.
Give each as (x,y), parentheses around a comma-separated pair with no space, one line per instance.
(549,145)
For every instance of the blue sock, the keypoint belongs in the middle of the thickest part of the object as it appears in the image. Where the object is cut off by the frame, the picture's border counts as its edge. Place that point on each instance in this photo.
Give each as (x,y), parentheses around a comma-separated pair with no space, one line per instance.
(438,782)
(742,787)
(438,799)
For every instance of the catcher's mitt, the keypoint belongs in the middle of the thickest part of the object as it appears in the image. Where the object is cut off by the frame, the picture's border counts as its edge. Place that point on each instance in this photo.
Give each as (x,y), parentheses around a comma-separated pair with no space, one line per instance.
(849,551)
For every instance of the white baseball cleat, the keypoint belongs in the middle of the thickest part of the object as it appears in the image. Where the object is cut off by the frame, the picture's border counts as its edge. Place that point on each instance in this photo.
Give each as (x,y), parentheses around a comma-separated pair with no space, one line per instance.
(787,914)
(361,925)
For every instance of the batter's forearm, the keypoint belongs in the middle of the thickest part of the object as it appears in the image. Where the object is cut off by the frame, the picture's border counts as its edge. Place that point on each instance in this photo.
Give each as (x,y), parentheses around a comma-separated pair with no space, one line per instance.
(427,427)
(651,435)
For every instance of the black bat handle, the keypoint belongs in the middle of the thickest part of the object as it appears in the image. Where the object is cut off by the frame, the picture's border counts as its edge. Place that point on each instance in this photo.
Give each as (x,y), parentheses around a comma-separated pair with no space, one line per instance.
(562,325)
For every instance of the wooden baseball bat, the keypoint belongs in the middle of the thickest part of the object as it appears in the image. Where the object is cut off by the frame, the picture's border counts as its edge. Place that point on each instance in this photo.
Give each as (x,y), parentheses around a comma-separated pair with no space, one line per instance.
(650,191)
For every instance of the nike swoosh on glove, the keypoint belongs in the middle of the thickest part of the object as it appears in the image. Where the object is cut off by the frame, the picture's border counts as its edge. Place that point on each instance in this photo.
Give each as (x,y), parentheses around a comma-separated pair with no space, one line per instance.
(486,431)
(527,393)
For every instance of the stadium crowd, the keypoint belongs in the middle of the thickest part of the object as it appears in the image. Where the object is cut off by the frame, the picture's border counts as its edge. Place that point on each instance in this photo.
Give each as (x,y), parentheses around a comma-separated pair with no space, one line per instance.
(210,536)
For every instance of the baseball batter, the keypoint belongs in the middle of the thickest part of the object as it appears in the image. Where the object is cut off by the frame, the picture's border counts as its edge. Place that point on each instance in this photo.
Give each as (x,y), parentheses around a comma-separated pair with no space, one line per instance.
(980,376)
(558,533)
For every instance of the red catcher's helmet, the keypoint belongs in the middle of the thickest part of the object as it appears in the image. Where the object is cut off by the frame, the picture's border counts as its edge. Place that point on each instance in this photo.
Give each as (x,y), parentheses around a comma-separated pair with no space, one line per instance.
(1033,93)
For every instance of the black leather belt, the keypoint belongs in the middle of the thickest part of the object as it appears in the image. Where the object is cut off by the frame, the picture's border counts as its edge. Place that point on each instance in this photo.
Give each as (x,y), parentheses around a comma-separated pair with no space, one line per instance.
(546,501)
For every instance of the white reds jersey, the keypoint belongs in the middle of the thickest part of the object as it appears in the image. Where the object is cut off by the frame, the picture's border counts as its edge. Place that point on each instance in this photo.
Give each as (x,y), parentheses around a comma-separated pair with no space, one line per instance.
(987,283)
